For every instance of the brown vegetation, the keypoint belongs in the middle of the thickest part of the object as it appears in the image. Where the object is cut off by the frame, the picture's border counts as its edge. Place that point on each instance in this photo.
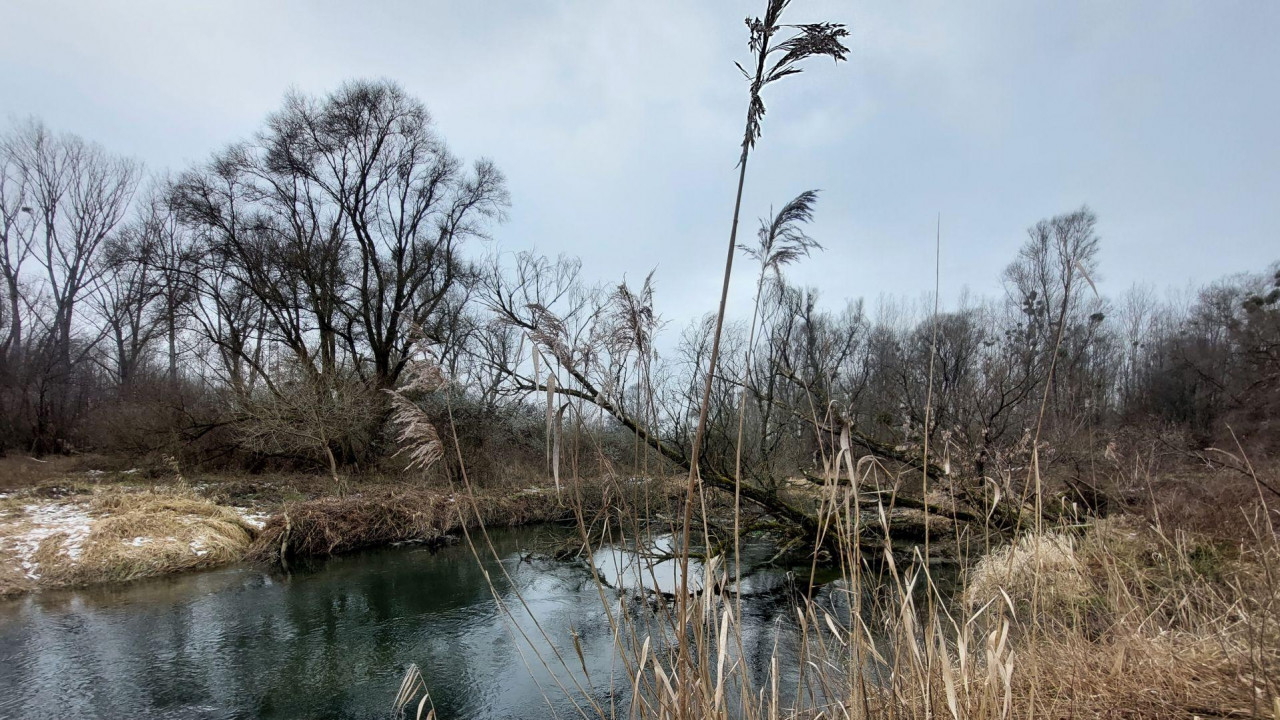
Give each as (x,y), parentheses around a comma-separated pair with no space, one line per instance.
(334,525)
(253,312)
(150,533)
(1124,616)
(64,526)
(86,534)
(1129,619)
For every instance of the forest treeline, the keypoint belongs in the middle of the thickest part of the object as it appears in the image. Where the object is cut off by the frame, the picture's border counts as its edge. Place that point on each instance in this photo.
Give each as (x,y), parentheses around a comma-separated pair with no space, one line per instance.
(252,310)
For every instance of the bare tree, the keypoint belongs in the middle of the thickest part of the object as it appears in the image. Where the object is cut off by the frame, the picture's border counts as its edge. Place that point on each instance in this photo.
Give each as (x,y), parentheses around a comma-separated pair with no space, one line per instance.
(76,195)
(405,204)
(79,195)
(308,415)
(17,231)
(126,301)
(342,224)
(1051,277)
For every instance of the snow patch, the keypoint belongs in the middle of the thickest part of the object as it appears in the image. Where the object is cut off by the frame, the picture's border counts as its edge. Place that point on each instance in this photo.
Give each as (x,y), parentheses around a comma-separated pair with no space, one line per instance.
(43,521)
(256,519)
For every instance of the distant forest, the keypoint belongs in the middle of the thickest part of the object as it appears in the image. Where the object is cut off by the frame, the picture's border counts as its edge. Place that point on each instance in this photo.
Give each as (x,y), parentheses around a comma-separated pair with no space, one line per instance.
(252,311)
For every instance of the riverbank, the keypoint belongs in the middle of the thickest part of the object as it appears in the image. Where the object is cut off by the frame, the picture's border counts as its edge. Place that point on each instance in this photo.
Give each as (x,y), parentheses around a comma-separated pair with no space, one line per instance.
(64,525)
(1172,613)
(73,535)
(1123,618)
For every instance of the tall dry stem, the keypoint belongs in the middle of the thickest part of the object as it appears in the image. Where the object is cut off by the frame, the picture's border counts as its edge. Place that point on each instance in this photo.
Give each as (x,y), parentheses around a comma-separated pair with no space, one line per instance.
(804,41)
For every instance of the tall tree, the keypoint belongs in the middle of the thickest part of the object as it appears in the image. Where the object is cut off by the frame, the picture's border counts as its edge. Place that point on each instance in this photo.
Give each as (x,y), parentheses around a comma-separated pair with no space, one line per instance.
(77,194)
(345,217)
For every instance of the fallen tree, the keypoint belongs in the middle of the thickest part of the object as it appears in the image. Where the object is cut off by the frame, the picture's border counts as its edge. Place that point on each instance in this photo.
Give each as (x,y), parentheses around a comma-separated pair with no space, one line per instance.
(595,350)
(806,521)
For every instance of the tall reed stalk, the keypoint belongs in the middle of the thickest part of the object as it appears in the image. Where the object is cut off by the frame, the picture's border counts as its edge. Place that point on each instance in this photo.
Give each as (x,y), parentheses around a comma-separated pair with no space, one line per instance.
(803,41)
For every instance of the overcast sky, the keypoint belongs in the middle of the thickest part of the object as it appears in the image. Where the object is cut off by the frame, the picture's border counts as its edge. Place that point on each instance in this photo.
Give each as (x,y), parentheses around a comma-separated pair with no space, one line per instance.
(617,124)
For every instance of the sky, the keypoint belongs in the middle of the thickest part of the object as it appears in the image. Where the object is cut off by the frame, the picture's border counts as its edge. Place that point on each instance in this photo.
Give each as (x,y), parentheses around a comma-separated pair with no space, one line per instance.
(617,124)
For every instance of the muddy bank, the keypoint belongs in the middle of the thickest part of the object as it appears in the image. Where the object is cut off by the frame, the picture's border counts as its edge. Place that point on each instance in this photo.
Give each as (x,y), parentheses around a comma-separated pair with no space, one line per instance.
(336,525)
(96,527)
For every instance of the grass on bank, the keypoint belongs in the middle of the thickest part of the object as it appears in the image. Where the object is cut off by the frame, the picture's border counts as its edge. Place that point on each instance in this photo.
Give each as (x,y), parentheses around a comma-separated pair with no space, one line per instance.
(381,516)
(70,522)
(150,533)
(335,525)
(1122,619)
(112,534)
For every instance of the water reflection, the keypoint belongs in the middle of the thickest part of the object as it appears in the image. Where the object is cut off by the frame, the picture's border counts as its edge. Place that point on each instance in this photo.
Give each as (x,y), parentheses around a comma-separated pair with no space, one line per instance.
(334,642)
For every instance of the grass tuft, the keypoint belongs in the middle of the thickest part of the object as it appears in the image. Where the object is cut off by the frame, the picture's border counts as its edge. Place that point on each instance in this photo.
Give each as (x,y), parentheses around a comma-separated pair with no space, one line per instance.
(145,534)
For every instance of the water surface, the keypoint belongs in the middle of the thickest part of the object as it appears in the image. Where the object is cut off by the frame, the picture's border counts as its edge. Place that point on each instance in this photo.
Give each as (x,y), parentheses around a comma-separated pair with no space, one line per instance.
(334,641)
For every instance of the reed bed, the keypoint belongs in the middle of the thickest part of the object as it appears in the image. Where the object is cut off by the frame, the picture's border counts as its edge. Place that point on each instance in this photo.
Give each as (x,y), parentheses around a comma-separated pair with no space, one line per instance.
(1112,617)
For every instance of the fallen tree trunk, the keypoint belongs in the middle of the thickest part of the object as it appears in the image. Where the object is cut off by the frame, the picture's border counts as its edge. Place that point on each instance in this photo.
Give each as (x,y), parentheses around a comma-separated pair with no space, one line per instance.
(997,515)
(806,522)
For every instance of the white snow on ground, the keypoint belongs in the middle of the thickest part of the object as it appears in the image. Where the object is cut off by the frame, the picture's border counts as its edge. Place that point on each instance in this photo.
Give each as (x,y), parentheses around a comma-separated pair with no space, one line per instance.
(256,519)
(22,531)
(40,522)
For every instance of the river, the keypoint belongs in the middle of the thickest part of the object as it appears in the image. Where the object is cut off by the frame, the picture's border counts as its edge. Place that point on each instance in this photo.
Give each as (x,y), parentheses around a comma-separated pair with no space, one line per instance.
(334,641)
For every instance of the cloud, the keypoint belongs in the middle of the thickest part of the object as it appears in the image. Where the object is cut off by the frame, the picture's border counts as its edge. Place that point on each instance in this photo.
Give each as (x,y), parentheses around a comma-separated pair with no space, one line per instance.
(618,124)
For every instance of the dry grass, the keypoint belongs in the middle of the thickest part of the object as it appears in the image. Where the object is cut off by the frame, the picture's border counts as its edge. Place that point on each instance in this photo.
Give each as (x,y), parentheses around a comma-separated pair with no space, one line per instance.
(20,471)
(137,534)
(1126,620)
(380,516)
(1135,676)
(1042,566)
(1120,617)
(13,581)
(177,533)
(70,522)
